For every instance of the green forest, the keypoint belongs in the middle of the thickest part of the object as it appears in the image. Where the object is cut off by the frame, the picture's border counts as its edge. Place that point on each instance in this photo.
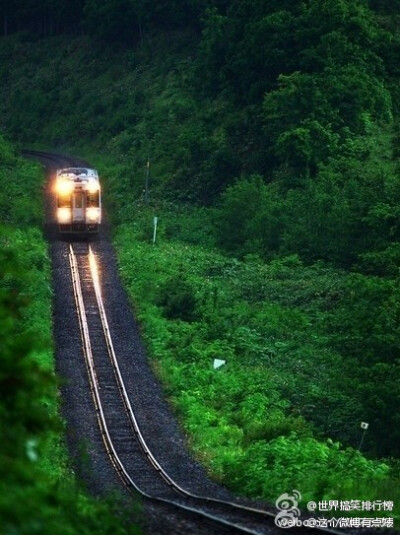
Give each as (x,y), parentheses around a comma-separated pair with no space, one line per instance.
(265,137)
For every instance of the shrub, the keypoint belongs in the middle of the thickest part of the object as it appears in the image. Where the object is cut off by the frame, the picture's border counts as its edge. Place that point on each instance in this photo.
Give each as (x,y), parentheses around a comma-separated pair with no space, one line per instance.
(177,299)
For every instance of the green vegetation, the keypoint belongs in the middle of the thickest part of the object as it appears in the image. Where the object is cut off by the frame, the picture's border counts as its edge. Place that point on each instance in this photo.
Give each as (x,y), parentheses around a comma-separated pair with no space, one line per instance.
(38,492)
(259,422)
(272,134)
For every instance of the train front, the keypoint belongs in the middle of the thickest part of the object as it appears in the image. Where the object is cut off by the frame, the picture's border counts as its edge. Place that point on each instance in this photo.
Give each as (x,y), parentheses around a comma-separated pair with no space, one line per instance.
(78,200)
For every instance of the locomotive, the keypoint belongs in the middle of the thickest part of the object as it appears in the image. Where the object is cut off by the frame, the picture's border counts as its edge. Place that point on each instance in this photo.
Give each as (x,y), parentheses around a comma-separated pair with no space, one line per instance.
(78,195)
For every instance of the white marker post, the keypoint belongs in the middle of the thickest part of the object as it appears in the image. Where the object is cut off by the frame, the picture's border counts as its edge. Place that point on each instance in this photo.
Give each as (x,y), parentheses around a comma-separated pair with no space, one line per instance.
(155,229)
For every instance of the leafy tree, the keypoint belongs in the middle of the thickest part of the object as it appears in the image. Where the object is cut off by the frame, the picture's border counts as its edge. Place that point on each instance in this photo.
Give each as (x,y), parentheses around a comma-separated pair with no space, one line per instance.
(22,382)
(249,220)
(307,124)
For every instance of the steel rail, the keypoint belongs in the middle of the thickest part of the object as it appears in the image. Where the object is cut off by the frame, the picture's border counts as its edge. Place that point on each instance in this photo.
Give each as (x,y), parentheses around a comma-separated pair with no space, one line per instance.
(102,420)
(152,459)
(59,159)
(62,160)
(132,418)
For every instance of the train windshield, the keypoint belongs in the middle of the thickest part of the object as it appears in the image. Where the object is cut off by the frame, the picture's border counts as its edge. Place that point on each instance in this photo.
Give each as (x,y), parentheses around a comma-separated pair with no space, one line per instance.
(74,171)
(79,171)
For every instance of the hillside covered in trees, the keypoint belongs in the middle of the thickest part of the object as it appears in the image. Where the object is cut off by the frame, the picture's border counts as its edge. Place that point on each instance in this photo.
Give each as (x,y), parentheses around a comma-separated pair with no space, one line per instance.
(301,94)
(271,132)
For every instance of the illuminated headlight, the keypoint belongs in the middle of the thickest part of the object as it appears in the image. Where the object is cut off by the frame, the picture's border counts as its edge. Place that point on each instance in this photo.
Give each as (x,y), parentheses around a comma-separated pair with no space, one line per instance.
(64,187)
(92,214)
(64,215)
(92,187)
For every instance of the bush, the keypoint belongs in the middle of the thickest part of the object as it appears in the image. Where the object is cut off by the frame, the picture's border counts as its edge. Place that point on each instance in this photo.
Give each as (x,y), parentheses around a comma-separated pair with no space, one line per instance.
(177,299)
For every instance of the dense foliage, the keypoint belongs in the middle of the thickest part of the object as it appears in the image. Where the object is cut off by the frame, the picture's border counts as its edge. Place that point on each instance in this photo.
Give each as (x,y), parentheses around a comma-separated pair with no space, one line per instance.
(258,422)
(303,94)
(38,493)
(278,121)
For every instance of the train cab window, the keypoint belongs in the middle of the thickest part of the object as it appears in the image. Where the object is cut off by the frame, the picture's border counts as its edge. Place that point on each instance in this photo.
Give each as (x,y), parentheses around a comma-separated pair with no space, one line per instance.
(93,199)
(64,202)
(78,200)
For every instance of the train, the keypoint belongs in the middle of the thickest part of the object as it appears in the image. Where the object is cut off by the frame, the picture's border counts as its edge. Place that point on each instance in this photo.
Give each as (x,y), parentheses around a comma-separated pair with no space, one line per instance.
(78,194)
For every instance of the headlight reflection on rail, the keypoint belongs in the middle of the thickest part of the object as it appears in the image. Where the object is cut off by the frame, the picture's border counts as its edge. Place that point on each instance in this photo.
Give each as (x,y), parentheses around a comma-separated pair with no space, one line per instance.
(94,269)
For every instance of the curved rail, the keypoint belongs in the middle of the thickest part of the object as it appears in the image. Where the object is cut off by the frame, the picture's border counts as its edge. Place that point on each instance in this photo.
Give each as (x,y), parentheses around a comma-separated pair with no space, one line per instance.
(116,460)
(119,465)
(52,158)
(151,458)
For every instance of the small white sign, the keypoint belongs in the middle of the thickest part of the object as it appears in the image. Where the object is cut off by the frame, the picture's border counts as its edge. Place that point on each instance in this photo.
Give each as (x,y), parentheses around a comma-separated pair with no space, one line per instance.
(364,425)
(218,363)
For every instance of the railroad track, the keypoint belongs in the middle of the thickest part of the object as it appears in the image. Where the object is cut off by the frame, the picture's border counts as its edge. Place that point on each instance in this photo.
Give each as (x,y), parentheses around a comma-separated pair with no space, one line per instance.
(52,159)
(127,449)
(123,439)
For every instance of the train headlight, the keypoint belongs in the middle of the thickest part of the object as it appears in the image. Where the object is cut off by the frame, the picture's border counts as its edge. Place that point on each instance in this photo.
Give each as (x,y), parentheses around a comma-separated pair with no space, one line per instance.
(64,215)
(64,187)
(93,186)
(92,214)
